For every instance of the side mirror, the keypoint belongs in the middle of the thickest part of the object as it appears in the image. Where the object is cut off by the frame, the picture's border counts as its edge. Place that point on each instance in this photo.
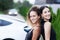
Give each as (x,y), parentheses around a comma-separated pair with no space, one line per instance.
(27,29)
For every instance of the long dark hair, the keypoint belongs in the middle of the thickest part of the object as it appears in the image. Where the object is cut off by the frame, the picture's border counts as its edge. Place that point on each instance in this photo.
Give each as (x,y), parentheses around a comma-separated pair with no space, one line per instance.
(41,10)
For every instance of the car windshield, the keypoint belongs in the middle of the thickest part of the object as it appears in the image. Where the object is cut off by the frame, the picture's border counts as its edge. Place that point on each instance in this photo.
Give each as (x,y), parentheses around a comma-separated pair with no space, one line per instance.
(4,22)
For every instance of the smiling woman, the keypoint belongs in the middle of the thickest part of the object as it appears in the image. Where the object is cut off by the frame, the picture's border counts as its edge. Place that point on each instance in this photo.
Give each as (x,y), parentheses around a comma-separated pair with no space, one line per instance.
(33,19)
(47,30)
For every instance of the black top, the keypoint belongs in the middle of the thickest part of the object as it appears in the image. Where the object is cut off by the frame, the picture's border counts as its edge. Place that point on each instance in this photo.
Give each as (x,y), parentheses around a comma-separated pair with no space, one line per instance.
(29,36)
(52,33)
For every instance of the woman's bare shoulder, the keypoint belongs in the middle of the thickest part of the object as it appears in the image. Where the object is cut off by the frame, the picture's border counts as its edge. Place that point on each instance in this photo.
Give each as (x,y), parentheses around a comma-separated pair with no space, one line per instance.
(47,23)
(36,28)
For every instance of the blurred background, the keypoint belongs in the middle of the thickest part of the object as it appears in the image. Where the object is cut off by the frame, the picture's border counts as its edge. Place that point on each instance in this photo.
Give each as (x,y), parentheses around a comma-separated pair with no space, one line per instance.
(19,9)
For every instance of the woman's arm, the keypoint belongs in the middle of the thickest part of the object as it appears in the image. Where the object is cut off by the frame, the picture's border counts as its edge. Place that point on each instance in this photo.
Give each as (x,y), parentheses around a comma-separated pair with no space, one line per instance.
(47,29)
(36,33)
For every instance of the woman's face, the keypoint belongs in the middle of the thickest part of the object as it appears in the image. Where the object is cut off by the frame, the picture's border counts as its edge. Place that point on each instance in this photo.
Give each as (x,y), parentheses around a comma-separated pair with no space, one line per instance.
(46,14)
(34,17)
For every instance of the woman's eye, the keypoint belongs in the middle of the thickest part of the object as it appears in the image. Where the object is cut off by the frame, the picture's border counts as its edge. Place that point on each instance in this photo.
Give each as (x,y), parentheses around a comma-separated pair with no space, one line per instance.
(48,11)
(45,12)
(33,15)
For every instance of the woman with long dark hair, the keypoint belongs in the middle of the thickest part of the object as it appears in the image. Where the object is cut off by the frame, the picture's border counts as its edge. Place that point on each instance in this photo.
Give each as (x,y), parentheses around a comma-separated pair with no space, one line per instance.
(47,30)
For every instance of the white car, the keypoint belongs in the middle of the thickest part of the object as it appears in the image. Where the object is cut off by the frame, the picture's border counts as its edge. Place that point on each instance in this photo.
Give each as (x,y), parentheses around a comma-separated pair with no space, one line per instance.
(13,12)
(12,28)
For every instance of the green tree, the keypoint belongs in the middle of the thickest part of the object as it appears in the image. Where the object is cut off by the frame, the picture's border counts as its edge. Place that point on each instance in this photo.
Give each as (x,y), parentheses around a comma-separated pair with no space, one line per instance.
(24,8)
(53,15)
(17,5)
(57,24)
(6,4)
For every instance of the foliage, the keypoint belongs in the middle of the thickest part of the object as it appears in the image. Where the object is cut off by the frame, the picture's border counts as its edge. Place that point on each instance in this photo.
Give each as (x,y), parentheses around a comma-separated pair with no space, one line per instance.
(24,8)
(56,22)
(6,4)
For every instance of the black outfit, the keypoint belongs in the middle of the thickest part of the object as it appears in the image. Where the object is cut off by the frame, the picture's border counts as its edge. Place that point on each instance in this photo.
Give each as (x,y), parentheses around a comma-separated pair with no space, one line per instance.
(29,36)
(52,33)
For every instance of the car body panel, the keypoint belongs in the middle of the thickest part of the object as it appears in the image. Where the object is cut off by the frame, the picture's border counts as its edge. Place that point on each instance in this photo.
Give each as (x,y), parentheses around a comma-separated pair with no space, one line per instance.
(14,30)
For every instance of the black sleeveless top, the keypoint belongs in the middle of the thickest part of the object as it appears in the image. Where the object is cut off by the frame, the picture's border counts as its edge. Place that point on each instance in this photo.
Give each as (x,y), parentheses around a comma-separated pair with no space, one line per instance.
(52,33)
(29,36)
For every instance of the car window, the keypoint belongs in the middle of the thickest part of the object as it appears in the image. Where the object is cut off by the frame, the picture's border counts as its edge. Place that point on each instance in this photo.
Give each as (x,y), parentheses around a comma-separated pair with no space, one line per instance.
(4,22)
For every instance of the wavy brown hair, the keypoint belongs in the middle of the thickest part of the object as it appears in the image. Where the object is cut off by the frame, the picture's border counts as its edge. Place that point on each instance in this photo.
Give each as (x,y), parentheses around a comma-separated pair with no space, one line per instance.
(36,9)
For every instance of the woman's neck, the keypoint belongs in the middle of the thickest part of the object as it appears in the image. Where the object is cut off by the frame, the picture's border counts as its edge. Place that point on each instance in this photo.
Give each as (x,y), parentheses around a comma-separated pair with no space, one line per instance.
(46,20)
(36,24)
